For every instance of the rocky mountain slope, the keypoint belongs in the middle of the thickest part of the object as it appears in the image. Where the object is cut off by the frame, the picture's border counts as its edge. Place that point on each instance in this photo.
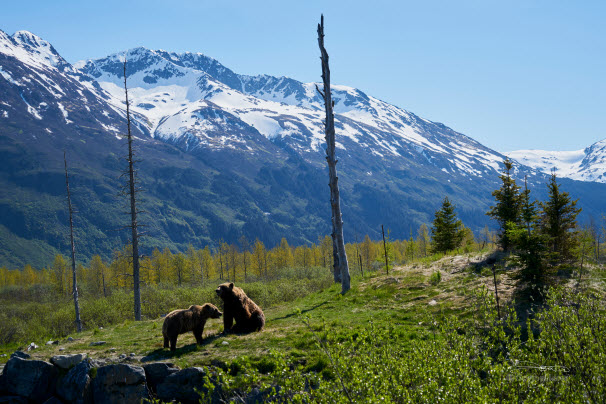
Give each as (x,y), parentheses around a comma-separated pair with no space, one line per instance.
(223,155)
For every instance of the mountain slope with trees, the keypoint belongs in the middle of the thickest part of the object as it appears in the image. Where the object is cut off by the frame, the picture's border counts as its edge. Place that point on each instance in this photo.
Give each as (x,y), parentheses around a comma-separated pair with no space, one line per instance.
(241,157)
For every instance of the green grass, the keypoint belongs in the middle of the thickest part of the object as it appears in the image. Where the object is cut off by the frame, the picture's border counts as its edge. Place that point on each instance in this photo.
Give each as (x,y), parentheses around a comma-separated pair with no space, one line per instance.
(401,298)
(393,338)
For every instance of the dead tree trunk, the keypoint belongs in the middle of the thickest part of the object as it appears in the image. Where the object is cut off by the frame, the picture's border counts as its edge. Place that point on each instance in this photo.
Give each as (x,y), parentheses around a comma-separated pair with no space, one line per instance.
(385,249)
(341,265)
(132,192)
(336,269)
(496,291)
(73,245)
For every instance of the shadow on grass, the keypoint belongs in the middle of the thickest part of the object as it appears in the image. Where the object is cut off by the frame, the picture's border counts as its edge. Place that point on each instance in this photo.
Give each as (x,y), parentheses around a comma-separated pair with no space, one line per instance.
(296,313)
(164,353)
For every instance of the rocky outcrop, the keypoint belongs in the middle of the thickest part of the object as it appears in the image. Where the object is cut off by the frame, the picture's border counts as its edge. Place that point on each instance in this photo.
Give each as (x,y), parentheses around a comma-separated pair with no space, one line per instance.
(67,362)
(119,383)
(32,379)
(156,373)
(182,386)
(75,386)
(81,380)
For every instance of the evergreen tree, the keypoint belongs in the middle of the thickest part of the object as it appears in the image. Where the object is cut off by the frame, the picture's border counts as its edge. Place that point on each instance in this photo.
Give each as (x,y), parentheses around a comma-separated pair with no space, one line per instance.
(530,243)
(446,229)
(507,208)
(559,220)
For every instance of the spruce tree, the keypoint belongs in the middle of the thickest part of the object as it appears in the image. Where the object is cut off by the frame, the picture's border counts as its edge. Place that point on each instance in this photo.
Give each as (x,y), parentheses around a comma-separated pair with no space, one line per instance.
(507,208)
(446,229)
(529,241)
(558,221)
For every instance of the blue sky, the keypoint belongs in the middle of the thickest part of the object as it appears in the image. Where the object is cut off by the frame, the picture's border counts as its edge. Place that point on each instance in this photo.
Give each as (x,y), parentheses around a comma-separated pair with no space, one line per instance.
(511,74)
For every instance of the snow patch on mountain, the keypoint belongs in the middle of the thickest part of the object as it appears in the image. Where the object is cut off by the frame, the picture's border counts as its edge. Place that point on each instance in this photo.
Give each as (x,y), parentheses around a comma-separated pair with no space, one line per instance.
(167,88)
(587,164)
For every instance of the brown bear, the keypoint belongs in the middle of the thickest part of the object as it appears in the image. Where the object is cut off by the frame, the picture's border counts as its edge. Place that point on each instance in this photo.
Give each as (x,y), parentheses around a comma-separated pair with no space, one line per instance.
(237,306)
(181,321)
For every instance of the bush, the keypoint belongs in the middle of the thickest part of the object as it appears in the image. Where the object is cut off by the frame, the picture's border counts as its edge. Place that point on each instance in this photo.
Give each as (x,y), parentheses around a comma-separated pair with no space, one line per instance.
(435,278)
(467,363)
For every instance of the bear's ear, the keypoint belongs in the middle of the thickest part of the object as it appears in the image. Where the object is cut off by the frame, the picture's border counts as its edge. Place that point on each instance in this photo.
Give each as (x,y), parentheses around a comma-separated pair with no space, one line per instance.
(231,285)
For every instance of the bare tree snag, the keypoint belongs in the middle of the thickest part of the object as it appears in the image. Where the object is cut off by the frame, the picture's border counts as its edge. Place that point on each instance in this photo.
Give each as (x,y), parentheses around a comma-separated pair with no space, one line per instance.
(385,249)
(496,290)
(132,192)
(341,265)
(73,245)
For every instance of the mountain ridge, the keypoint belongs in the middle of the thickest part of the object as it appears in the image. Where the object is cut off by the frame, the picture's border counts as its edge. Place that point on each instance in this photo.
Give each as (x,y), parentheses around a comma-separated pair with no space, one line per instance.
(587,164)
(218,162)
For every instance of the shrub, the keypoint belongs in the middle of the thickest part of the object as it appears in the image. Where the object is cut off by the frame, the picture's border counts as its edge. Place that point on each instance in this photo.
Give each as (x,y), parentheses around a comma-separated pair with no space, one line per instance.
(435,278)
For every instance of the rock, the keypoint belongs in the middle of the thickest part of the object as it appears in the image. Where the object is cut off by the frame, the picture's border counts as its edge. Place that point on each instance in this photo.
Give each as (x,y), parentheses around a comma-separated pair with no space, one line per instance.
(12,400)
(32,379)
(20,354)
(219,364)
(3,355)
(180,386)
(156,373)
(112,349)
(51,342)
(3,387)
(53,400)
(225,343)
(132,354)
(97,363)
(32,346)
(122,356)
(67,361)
(119,383)
(432,302)
(61,349)
(100,328)
(97,343)
(70,339)
(75,386)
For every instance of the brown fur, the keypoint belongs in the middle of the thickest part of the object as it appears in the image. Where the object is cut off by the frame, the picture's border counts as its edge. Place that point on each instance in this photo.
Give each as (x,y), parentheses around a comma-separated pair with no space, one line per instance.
(237,306)
(181,321)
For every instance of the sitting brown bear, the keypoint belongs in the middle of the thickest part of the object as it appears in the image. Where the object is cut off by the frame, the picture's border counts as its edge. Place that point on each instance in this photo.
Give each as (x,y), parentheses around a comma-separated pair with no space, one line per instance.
(182,321)
(237,306)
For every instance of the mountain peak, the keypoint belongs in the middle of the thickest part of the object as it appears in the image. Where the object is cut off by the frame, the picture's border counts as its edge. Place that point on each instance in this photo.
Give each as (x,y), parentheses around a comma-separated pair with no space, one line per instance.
(32,50)
(29,38)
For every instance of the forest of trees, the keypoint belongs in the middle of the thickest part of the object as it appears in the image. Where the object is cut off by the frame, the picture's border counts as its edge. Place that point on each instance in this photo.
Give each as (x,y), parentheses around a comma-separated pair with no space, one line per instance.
(240,262)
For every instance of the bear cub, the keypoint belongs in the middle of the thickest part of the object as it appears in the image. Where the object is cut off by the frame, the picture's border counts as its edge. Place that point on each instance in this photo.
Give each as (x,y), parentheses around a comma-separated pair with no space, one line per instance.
(181,321)
(237,306)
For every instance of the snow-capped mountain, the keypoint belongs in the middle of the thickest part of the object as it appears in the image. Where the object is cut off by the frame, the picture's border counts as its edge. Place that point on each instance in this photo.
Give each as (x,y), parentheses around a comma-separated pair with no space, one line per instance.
(223,155)
(191,98)
(587,164)
(42,91)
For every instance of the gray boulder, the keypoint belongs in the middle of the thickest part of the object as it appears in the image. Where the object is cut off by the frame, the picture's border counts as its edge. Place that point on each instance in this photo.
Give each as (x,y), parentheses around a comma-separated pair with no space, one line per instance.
(20,354)
(180,386)
(119,383)
(67,362)
(12,400)
(98,343)
(32,379)
(156,373)
(53,400)
(75,386)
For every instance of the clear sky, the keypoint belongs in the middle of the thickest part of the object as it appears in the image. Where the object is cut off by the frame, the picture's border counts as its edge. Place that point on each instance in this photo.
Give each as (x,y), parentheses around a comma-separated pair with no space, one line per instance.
(512,74)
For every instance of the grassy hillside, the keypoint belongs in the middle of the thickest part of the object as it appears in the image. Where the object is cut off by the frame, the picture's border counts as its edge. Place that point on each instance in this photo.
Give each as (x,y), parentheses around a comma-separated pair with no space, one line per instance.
(410,336)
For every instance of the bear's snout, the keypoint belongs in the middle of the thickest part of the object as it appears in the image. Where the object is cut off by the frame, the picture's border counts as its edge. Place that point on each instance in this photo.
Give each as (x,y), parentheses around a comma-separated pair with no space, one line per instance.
(217,314)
